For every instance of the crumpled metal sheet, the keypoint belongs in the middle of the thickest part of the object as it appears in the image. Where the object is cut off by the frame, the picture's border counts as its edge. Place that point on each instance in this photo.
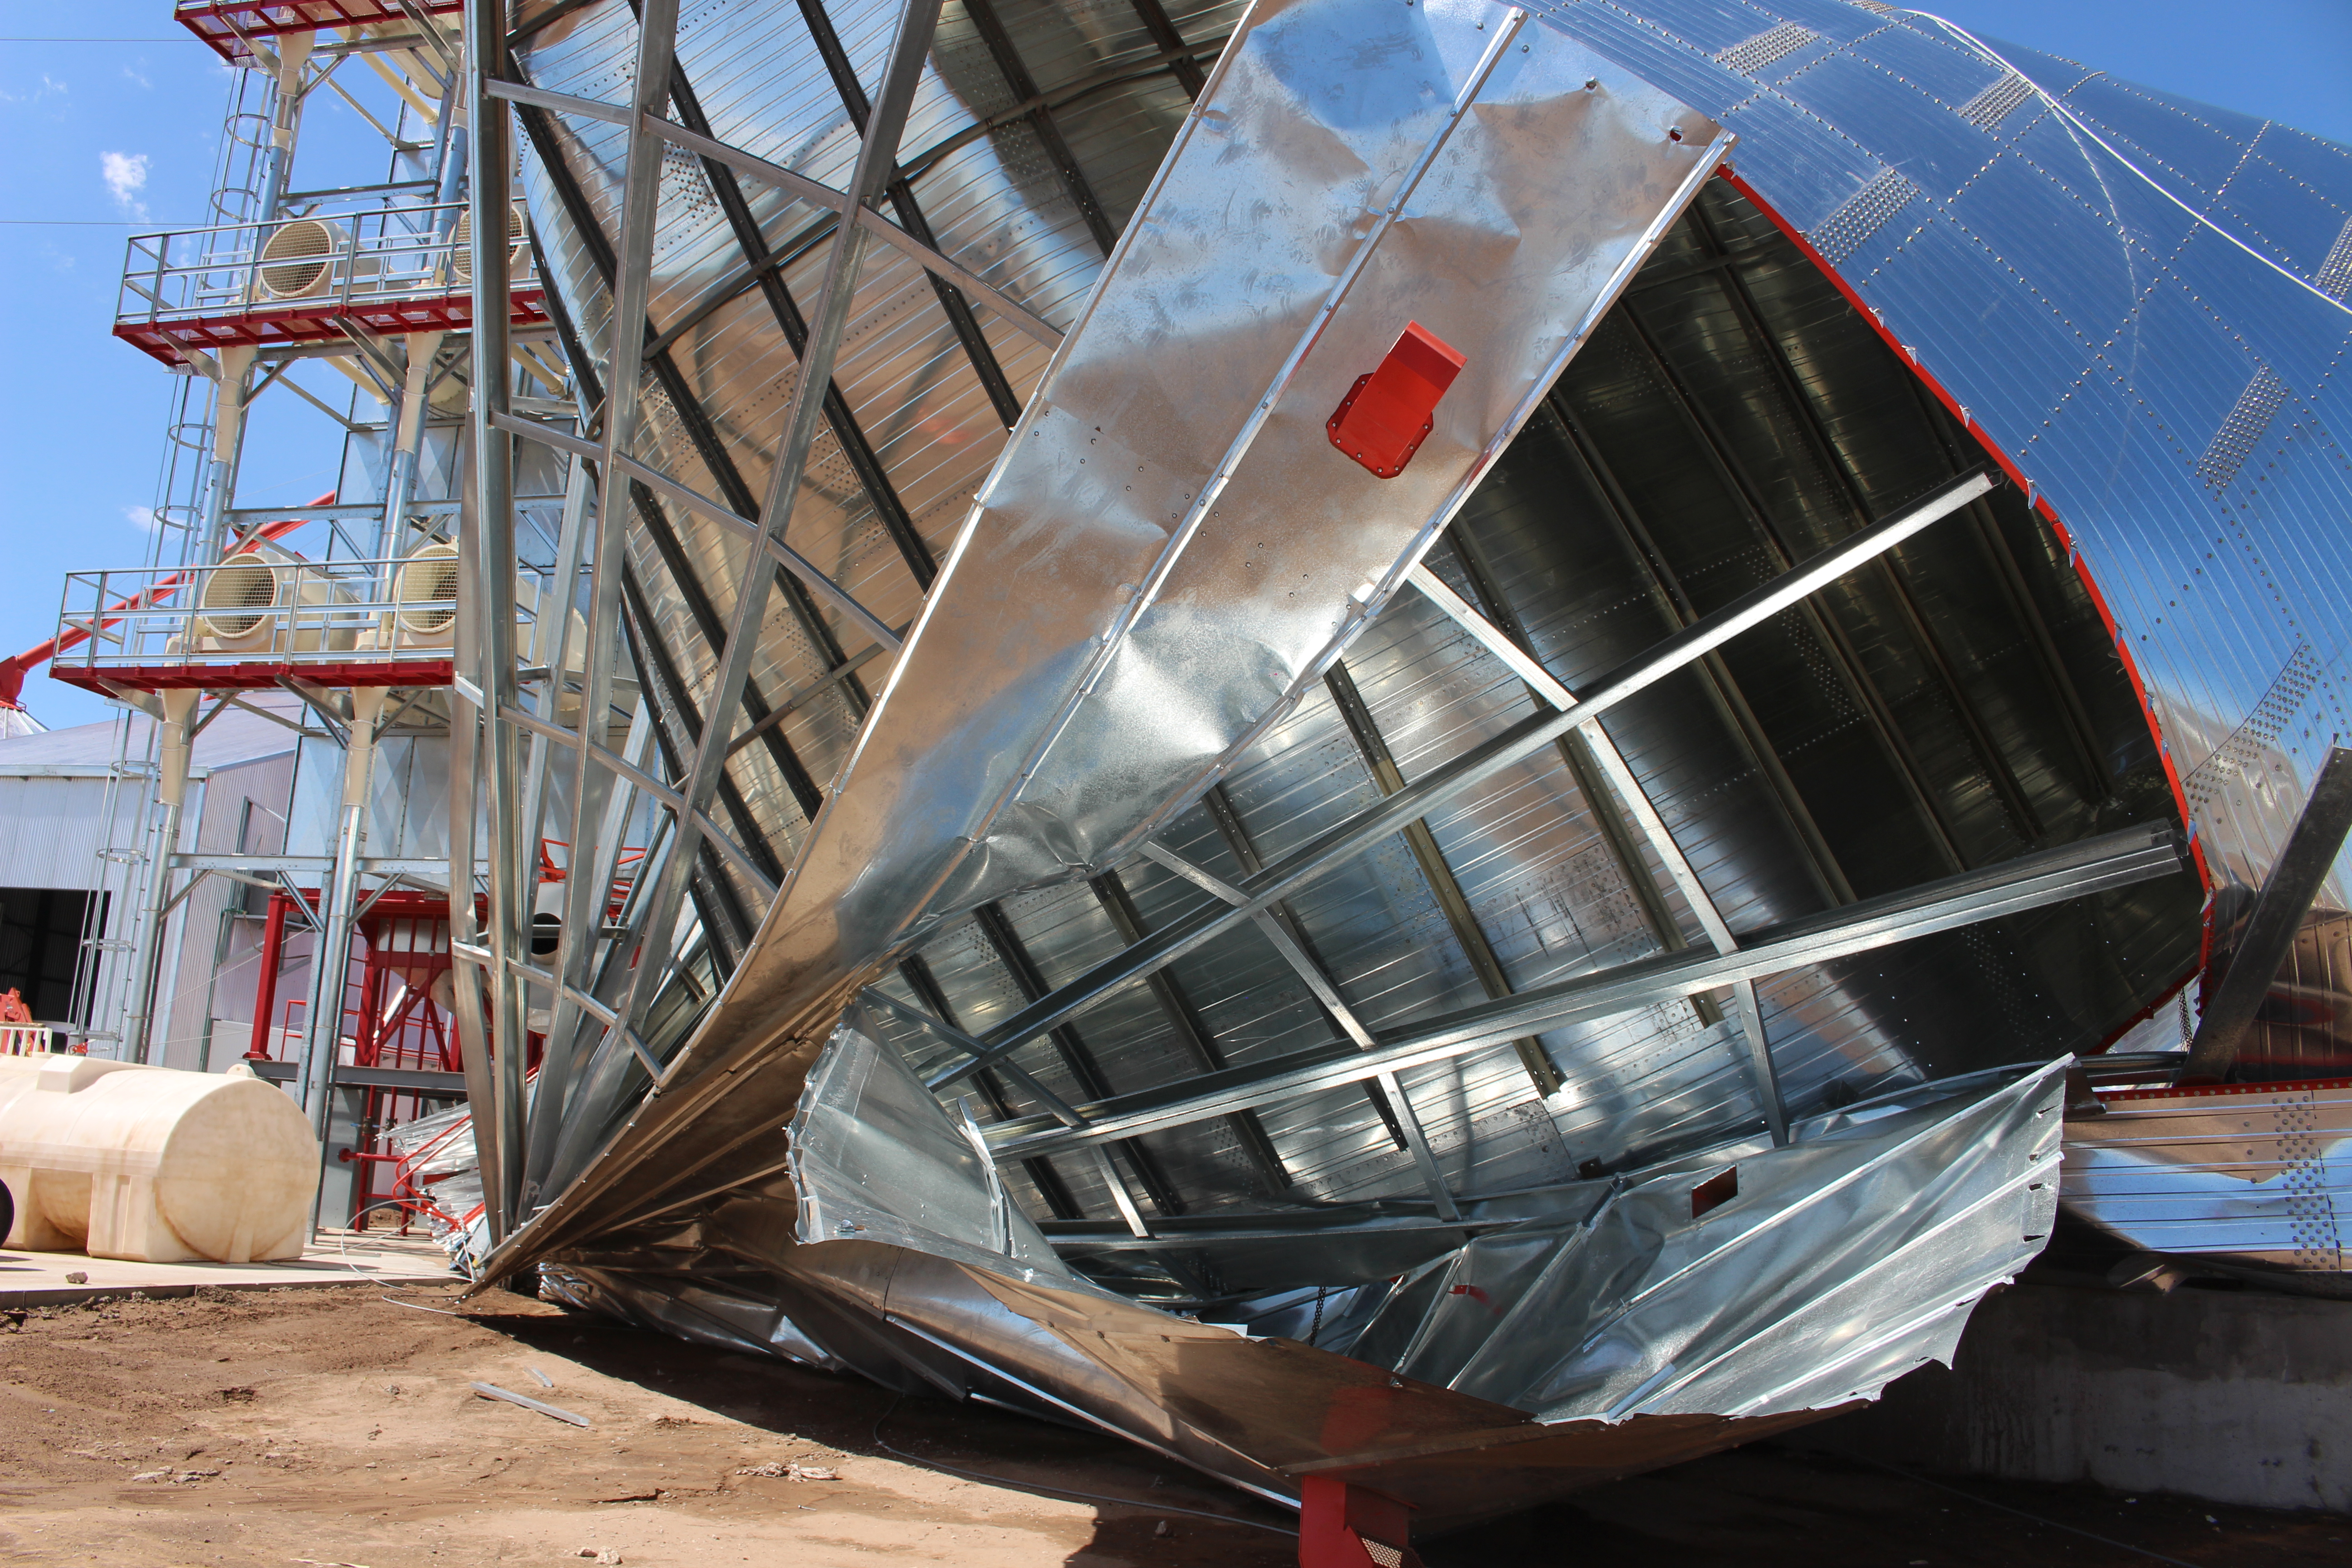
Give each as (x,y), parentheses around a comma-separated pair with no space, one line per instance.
(438,1154)
(703,1312)
(937,814)
(1843,1261)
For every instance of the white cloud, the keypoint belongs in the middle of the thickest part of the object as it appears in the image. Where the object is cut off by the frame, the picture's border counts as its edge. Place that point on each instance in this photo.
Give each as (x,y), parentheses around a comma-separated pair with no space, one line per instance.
(50,88)
(141,518)
(125,174)
(138,76)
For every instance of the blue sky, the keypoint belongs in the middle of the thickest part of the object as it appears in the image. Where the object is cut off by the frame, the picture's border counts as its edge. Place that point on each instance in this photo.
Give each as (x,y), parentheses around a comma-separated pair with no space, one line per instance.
(103,132)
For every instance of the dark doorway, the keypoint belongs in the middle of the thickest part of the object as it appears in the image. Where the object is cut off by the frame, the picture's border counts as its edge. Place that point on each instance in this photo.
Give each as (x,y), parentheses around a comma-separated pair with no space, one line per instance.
(41,930)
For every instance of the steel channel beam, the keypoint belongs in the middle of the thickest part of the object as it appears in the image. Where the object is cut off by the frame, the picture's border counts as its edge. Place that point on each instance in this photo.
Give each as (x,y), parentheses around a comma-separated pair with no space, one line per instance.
(668,689)
(1327,991)
(1367,827)
(627,275)
(576,939)
(1628,789)
(712,884)
(1733,279)
(1677,610)
(616,764)
(692,416)
(1741,489)
(2082,736)
(1024,87)
(1192,1032)
(1226,818)
(876,160)
(2033,881)
(945,270)
(590,393)
(1051,1187)
(1576,753)
(1356,714)
(1188,72)
(488,542)
(1078,1060)
(603,802)
(1055,1106)
(702,506)
(976,347)
(553,608)
(2287,893)
(846,432)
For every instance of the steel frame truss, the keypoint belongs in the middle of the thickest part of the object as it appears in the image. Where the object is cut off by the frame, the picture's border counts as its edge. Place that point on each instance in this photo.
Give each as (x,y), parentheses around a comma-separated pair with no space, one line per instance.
(1260,892)
(2113,860)
(686,727)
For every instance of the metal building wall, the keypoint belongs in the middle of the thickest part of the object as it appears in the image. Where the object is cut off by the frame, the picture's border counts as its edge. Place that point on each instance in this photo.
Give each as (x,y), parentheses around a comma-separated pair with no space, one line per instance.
(2137,299)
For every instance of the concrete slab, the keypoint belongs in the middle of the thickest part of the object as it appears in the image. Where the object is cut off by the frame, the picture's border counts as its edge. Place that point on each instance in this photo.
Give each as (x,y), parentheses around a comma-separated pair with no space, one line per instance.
(2236,1396)
(336,1257)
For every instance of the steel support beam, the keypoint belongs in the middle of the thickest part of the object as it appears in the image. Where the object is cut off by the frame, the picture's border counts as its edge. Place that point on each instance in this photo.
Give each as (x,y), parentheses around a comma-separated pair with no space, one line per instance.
(876,161)
(2287,893)
(1318,980)
(1743,491)
(1051,1187)
(1677,610)
(1192,1032)
(1356,714)
(1638,806)
(1024,87)
(487,547)
(702,506)
(1078,1060)
(2033,881)
(700,433)
(1226,818)
(1442,783)
(1833,457)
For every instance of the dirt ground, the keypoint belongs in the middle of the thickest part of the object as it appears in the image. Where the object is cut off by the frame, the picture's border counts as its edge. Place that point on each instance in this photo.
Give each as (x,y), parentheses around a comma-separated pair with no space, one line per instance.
(332,1427)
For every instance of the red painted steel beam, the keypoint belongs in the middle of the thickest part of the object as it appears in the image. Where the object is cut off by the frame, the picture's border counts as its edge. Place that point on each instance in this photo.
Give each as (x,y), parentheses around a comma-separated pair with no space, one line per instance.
(271,326)
(1341,1525)
(257,676)
(227,24)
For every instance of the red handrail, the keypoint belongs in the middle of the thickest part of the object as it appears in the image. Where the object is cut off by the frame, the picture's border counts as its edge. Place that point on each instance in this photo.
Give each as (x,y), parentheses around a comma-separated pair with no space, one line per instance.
(13,668)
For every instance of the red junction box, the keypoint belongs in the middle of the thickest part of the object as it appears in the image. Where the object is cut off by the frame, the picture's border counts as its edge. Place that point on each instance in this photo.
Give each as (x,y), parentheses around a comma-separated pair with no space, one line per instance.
(1386,414)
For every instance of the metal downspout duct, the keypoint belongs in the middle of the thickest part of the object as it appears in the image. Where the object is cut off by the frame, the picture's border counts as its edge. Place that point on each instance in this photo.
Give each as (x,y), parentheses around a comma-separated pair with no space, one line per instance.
(322,1016)
(178,707)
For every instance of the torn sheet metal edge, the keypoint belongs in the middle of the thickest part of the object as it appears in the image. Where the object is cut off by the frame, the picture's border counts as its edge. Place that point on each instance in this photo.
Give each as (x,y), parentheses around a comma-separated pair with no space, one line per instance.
(1747,1309)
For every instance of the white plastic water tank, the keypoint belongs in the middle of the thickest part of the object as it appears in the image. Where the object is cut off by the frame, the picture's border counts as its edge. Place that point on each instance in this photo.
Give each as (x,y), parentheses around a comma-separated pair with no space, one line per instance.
(153,1164)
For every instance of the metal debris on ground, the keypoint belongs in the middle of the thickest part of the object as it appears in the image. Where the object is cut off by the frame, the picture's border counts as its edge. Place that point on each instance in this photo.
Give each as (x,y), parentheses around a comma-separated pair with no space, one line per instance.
(492,1391)
(791,1472)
